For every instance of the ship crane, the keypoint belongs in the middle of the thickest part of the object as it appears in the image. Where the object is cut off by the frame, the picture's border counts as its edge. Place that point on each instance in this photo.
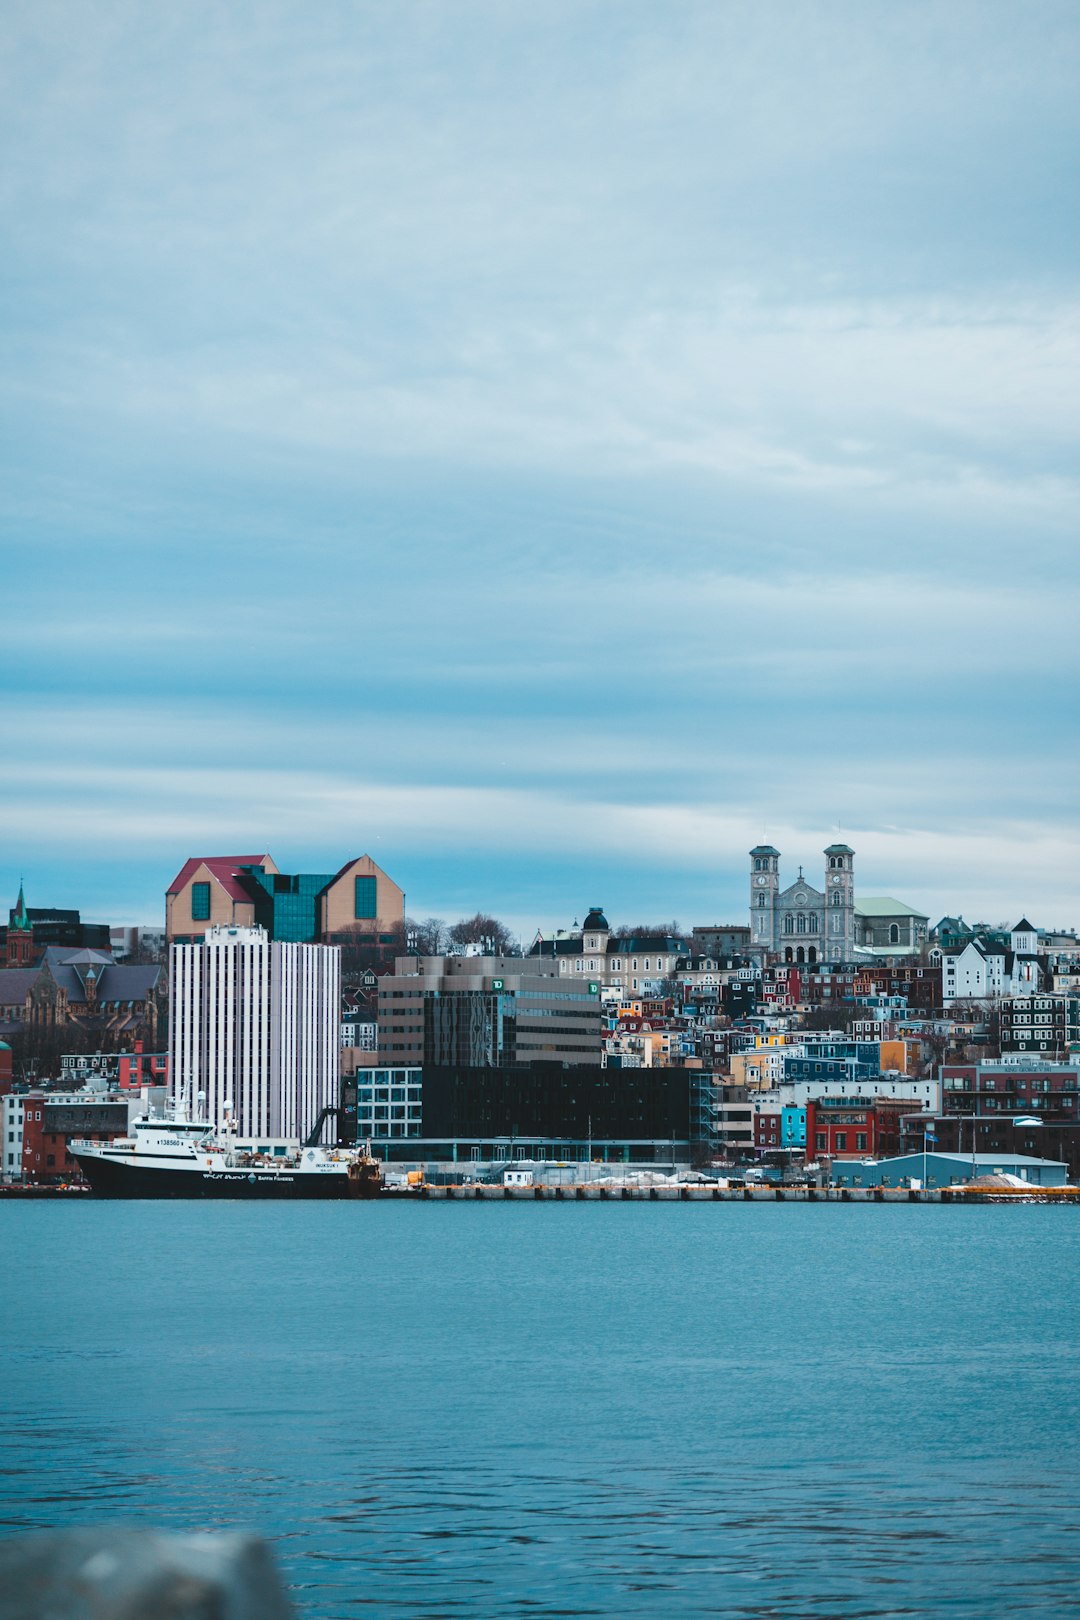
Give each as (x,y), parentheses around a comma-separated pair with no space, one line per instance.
(329,1112)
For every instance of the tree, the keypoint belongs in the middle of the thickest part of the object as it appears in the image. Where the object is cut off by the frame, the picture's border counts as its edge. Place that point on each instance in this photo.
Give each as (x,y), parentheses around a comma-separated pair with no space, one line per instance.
(492,936)
(361,950)
(832,1015)
(644,931)
(426,938)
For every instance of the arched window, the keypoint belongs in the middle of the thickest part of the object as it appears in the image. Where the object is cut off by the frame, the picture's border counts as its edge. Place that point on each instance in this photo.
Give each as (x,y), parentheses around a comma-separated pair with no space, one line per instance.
(757,864)
(894,933)
(811,923)
(800,955)
(789,924)
(800,925)
(811,955)
(837,898)
(761,902)
(788,954)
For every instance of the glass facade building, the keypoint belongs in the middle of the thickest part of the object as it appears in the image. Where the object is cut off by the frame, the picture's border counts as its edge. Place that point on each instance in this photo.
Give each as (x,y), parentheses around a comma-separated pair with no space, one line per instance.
(286,903)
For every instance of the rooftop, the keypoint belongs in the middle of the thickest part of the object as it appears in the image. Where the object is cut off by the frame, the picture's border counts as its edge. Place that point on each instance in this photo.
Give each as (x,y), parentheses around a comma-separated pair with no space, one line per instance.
(883,905)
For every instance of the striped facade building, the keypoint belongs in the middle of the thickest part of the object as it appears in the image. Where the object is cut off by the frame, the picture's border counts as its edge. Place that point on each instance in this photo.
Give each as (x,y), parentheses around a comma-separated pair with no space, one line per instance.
(254,1035)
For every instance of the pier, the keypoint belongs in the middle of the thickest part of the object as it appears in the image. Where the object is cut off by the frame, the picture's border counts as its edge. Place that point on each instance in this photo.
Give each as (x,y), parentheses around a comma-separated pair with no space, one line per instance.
(689,1194)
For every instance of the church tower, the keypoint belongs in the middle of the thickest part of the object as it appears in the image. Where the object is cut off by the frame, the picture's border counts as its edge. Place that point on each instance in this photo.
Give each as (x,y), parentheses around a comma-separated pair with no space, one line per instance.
(20,935)
(764,889)
(839,903)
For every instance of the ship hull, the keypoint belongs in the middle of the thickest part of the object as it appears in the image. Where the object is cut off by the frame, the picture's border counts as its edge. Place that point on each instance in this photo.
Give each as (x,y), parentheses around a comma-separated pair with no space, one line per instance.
(111,1179)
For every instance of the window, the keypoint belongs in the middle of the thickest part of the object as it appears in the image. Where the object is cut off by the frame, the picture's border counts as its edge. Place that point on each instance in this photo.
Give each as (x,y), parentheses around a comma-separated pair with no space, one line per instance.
(365,898)
(860,1141)
(894,933)
(200,902)
(841,1141)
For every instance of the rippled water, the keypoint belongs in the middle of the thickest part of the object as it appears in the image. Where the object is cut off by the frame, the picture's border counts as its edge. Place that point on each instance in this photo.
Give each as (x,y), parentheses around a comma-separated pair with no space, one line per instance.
(564,1409)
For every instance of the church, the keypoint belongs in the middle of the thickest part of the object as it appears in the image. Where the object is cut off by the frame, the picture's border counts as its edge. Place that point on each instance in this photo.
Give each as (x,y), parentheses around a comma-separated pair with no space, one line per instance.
(803,924)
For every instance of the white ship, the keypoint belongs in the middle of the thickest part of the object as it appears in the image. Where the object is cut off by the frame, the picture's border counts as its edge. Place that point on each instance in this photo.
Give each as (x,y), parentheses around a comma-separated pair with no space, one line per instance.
(180,1158)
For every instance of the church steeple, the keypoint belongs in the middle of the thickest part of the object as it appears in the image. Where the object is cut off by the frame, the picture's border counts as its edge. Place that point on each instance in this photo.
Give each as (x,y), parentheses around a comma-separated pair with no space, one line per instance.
(20,935)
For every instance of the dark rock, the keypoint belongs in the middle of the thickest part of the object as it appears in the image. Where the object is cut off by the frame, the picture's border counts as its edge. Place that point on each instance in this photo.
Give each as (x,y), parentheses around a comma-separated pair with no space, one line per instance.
(127,1574)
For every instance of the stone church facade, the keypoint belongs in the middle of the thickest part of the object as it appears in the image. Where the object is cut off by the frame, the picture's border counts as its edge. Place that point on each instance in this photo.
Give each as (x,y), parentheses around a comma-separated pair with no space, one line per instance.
(801,923)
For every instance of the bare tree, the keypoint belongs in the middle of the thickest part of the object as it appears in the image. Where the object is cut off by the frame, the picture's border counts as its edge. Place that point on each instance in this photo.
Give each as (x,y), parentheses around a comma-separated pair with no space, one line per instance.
(643,931)
(426,938)
(361,949)
(492,936)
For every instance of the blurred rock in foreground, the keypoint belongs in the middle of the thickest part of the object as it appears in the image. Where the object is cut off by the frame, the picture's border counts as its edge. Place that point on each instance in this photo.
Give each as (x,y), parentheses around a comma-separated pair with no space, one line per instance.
(127,1574)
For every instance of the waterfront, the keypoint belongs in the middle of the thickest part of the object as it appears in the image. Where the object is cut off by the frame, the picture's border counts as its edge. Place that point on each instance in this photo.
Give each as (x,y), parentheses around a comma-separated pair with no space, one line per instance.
(563,1408)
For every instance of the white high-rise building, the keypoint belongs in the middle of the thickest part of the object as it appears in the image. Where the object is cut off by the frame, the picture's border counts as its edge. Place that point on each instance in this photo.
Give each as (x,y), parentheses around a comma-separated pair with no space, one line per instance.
(253,1031)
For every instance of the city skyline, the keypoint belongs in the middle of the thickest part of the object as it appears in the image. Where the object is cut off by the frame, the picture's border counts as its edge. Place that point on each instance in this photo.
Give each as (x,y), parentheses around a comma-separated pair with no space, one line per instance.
(550,452)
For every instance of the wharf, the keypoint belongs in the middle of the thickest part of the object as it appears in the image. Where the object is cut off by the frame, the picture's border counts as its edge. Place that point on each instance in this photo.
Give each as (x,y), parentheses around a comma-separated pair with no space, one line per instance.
(752,1195)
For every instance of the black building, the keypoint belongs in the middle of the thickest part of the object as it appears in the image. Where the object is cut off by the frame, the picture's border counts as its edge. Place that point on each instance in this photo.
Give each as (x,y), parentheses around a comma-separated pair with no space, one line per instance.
(50,925)
(553,1102)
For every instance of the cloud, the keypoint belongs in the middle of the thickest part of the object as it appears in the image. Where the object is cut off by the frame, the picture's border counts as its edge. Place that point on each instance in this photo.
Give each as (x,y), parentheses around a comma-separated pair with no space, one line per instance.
(544,440)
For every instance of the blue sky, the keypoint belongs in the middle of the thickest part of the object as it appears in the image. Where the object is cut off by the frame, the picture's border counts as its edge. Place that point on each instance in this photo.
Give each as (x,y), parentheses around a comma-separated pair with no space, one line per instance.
(546,448)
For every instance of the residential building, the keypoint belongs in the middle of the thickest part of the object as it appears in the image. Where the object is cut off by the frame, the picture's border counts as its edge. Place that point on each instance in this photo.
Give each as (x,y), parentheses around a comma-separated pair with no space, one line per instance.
(856,1126)
(918,984)
(922,1095)
(254,1032)
(1046,1024)
(983,968)
(122,1071)
(51,1121)
(12,1113)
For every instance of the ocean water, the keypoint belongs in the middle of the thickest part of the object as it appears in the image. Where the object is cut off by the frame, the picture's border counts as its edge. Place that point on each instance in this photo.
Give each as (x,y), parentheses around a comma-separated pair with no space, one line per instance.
(524,1409)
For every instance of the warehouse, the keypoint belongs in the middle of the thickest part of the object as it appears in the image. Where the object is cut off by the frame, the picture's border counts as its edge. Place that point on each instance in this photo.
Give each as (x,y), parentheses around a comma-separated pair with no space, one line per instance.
(946,1170)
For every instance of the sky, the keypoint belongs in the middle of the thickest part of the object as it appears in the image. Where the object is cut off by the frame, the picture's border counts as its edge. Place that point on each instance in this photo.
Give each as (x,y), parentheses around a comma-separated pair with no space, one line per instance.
(549,449)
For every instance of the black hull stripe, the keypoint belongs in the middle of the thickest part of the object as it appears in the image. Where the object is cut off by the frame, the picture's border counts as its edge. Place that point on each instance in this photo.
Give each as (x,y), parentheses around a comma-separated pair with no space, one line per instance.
(111,1180)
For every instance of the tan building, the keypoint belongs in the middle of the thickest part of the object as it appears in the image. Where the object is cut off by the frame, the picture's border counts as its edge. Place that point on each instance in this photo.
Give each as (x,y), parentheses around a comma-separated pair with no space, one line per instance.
(357,902)
(486,1011)
(360,899)
(209,892)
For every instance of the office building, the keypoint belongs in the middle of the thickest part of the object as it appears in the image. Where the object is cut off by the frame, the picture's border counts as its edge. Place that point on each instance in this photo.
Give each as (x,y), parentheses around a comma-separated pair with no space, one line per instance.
(358,902)
(486,1010)
(254,1031)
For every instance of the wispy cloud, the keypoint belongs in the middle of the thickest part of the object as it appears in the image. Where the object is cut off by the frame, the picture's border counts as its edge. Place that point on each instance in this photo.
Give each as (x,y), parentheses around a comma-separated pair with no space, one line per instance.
(542,442)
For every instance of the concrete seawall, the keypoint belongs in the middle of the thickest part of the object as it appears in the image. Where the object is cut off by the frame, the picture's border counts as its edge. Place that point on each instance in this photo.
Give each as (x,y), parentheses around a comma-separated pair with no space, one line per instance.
(593,1193)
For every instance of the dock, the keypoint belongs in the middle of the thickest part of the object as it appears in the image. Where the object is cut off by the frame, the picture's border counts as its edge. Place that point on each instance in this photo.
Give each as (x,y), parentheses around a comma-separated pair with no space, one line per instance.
(690,1194)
